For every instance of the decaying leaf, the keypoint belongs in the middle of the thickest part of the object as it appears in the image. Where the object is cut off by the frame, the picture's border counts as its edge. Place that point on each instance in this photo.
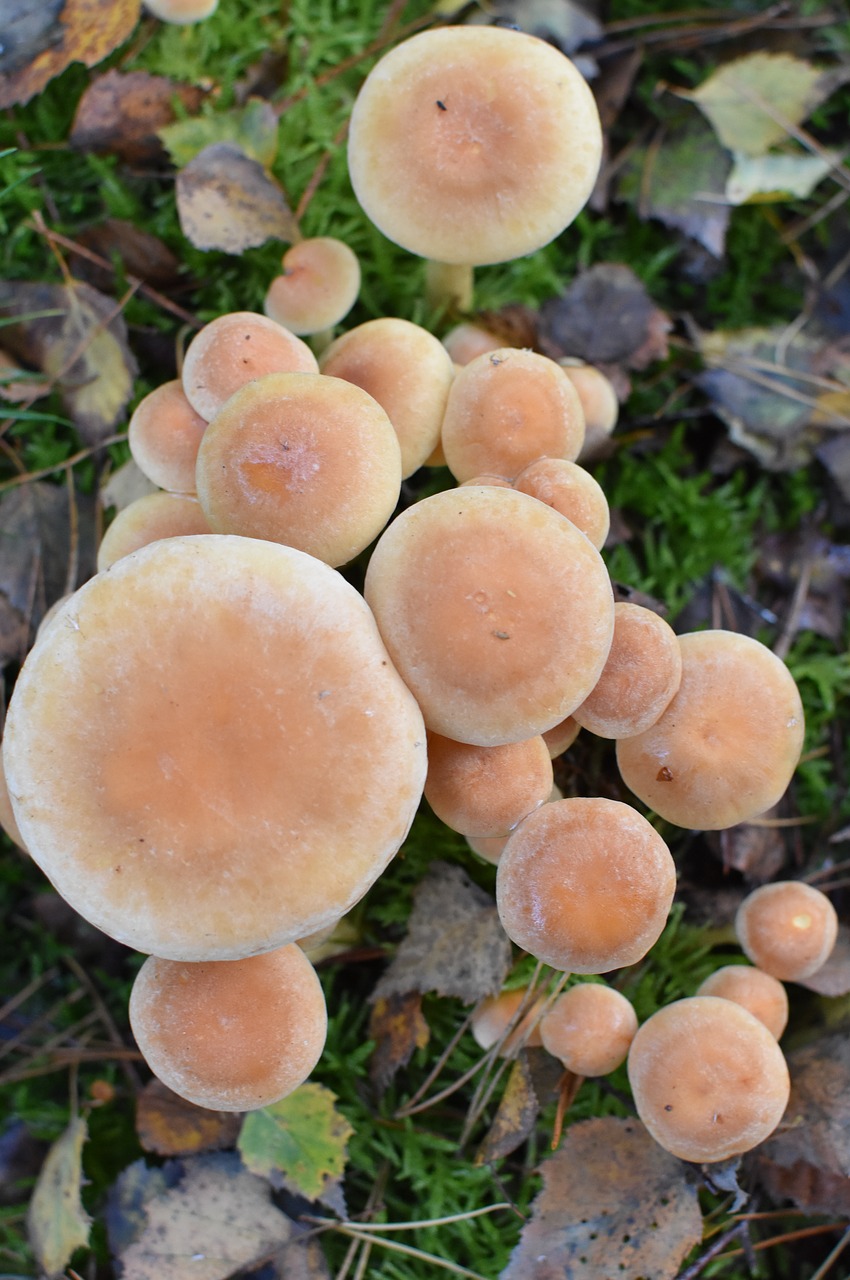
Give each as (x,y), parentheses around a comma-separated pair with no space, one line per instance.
(751,101)
(455,943)
(253,128)
(807,1160)
(140,254)
(81,345)
(122,111)
(515,1117)
(124,486)
(833,978)
(777,176)
(563,23)
(757,852)
(605,317)
(227,201)
(78,31)
(613,1204)
(299,1143)
(398,1027)
(217,1219)
(682,181)
(168,1125)
(57,1222)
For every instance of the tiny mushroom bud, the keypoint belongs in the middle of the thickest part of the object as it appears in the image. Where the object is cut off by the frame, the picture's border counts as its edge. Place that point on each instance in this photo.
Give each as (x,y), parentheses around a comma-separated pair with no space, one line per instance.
(572,491)
(756,990)
(709,1080)
(486,791)
(589,1028)
(235,349)
(149,519)
(643,672)
(230,1035)
(727,745)
(787,928)
(585,885)
(164,435)
(494,1015)
(318,288)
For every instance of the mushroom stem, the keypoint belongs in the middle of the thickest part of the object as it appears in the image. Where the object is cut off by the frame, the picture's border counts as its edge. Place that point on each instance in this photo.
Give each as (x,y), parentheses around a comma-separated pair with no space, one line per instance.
(448,286)
(320,341)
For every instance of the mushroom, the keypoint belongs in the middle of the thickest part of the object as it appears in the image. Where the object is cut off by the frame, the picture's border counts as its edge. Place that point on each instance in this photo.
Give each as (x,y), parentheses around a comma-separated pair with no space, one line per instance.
(727,745)
(571,490)
(164,435)
(589,1029)
(495,609)
(585,885)
(303,459)
(494,1015)
(470,145)
(149,519)
(170,736)
(234,349)
(763,995)
(466,341)
(599,402)
(640,678)
(787,928)
(181,12)
(318,288)
(708,1079)
(562,736)
(486,791)
(230,1035)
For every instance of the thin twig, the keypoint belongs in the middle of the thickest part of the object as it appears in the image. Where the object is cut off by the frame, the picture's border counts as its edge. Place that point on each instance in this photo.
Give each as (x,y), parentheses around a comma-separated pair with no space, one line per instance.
(833,1256)
(412,1226)
(720,1243)
(32,476)
(105,1017)
(396,1247)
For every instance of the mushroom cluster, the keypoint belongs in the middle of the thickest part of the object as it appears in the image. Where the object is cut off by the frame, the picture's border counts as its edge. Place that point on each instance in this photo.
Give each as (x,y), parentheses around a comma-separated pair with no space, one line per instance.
(170,737)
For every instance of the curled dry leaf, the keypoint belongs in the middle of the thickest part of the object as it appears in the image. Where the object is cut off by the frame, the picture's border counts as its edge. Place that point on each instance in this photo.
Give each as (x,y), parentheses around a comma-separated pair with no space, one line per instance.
(121,113)
(455,944)
(78,31)
(170,1126)
(613,1203)
(227,201)
(515,1117)
(398,1027)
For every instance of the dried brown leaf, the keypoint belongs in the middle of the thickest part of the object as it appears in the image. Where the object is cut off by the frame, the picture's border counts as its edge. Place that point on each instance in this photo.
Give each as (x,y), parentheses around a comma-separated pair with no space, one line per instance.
(614,1206)
(455,943)
(833,978)
(81,31)
(229,202)
(515,1117)
(605,317)
(168,1125)
(120,112)
(141,254)
(398,1027)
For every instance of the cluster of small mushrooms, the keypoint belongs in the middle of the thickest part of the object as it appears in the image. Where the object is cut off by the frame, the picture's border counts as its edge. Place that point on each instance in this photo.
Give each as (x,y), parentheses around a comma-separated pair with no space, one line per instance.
(217,744)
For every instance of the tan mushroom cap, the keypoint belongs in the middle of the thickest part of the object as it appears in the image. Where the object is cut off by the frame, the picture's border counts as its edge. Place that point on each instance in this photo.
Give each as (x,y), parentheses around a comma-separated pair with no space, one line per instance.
(494,1014)
(486,791)
(585,885)
(170,737)
(302,459)
(787,928)
(507,409)
(708,1079)
(234,349)
(181,12)
(466,341)
(640,678)
(488,848)
(497,612)
(406,370)
(164,435)
(7,816)
(230,1035)
(150,519)
(562,736)
(599,402)
(318,288)
(727,745)
(764,996)
(589,1028)
(473,144)
(572,491)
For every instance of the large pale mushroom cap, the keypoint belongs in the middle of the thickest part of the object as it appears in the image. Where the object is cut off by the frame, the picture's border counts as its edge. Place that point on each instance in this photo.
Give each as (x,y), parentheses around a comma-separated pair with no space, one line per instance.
(473,144)
(170,738)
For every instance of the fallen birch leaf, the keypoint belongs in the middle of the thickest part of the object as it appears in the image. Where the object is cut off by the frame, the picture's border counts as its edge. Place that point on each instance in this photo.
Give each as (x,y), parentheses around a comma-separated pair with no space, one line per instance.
(299,1143)
(776,176)
(398,1027)
(122,111)
(57,1222)
(515,1117)
(252,128)
(227,201)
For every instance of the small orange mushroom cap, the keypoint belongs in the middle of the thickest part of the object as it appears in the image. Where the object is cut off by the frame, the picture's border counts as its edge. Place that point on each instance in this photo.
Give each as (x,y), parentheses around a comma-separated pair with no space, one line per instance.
(709,1080)
(589,1028)
(585,885)
(473,144)
(640,678)
(234,349)
(318,288)
(486,791)
(149,519)
(164,435)
(494,1014)
(787,928)
(762,994)
(231,1035)
(571,490)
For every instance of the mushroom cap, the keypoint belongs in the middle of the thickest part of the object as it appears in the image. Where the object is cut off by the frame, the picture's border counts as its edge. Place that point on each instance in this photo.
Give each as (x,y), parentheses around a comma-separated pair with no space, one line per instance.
(473,144)
(318,288)
(406,370)
(486,791)
(589,1028)
(496,610)
(561,736)
(763,995)
(170,737)
(230,1035)
(787,928)
(466,341)
(303,459)
(181,12)
(7,816)
(234,349)
(489,848)
(164,435)
(572,491)
(599,402)
(493,1015)
(709,1080)
(643,672)
(506,409)
(150,519)
(585,885)
(727,745)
